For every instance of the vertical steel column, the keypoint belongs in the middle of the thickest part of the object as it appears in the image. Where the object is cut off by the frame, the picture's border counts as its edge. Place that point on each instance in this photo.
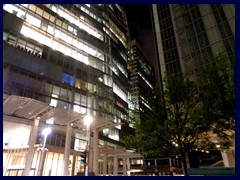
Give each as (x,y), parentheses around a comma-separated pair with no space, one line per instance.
(67,149)
(95,152)
(115,165)
(124,166)
(104,164)
(31,149)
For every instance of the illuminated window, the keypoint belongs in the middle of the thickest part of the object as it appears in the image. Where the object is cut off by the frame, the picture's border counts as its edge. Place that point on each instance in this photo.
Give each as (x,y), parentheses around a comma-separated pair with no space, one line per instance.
(41,37)
(32,7)
(80,145)
(61,47)
(52,18)
(69,39)
(78,83)
(29,18)
(85,59)
(70,28)
(36,21)
(55,44)
(25,5)
(54,8)
(53,101)
(83,100)
(48,40)
(114,134)
(69,79)
(75,43)
(68,51)
(50,29)
(57,33)
(61,12)
(59,22)
(105,131)
(85,48)
(119,92)
(39,11)
(74,54)
(81,46)
(46,15)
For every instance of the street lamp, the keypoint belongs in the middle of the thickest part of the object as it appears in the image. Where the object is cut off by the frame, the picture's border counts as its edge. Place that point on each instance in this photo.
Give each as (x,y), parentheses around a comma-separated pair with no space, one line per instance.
(45,132)
(87,121)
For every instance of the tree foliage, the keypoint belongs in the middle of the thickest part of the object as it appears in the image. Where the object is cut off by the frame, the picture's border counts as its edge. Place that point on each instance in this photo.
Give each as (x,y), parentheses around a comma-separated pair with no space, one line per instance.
(186,114)
(218,95)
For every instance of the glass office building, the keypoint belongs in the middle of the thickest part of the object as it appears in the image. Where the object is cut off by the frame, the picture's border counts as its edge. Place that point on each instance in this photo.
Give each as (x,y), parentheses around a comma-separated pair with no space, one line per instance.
(188,35)
(61,62)
(187,38)
(142,78)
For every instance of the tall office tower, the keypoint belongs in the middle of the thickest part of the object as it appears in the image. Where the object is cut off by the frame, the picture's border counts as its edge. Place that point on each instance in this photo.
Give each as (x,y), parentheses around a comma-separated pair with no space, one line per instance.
(61,63)
(188,35)
(142,79)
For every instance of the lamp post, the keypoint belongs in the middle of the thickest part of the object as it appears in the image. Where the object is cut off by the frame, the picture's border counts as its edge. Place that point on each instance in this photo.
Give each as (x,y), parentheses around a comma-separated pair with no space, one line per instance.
(45,132)
(87,120)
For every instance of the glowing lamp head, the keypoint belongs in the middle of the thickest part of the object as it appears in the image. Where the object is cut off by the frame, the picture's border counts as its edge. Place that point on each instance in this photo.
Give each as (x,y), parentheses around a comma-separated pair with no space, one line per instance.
(88,119)
(46,131)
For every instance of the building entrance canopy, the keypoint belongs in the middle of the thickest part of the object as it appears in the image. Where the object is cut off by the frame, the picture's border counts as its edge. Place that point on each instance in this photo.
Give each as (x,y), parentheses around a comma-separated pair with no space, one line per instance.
(22,109)
(28,108)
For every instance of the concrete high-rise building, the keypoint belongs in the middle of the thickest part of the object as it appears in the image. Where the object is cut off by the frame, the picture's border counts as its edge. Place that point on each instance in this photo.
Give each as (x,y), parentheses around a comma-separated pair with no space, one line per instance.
(61,63)
(188,36)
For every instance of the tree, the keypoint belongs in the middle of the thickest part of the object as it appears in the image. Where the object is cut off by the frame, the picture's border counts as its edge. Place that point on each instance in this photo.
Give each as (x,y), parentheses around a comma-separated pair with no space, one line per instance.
(186,114)
(184,124)
(175,123)
(218,97)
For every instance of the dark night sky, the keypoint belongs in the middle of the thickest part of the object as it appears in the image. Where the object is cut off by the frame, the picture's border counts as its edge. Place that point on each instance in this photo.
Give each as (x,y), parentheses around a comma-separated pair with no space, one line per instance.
(140,27)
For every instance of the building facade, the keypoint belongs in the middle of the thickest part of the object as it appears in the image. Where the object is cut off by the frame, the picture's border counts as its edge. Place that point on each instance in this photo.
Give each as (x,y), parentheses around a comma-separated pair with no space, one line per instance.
(60,63)
(187,38)
(142,78)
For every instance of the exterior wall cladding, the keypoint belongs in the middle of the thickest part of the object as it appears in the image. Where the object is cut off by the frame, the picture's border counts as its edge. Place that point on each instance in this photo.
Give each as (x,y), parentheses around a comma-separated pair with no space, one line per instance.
(142,78)
(189,35)
(69,56)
